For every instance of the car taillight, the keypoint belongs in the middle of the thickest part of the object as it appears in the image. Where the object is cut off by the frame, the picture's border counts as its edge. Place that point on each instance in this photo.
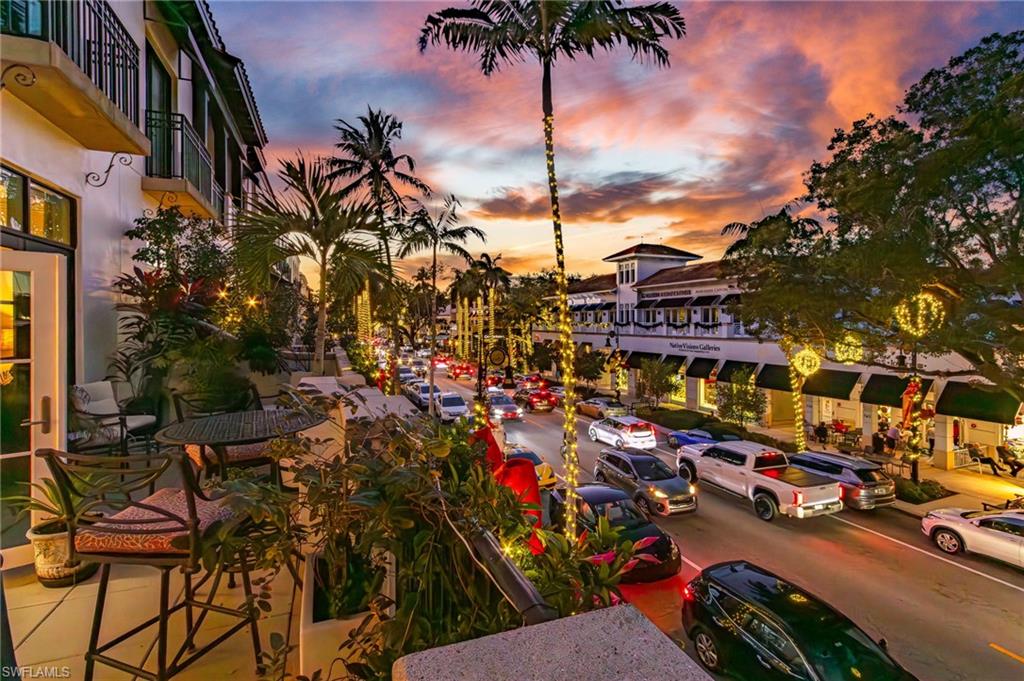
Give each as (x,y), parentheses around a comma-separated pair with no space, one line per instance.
(688,593)
(798,498)
(841,492)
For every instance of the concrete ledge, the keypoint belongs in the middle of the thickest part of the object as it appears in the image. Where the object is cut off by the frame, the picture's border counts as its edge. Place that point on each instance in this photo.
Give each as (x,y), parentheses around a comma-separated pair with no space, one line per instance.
(613,644)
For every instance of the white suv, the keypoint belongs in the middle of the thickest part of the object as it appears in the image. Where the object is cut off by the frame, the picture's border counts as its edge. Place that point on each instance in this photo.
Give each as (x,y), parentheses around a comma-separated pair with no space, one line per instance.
(624,431)
(450,406)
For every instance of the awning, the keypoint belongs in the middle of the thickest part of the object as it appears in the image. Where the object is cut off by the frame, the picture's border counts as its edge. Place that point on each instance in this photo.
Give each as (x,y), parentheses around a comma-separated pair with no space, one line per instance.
(674,361)
(576,306)
(831,383)
(701,367)
(774,377)
(976,402)
(702,301)
(646,303)
(634,359)
(888,390)
(673,302)
(731,366)
(731,299)
(610,305)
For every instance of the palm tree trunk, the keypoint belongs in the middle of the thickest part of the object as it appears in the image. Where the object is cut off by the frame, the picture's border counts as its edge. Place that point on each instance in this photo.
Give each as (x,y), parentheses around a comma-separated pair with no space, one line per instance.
(569,453)
(321,319)
(433,330)
(393,360)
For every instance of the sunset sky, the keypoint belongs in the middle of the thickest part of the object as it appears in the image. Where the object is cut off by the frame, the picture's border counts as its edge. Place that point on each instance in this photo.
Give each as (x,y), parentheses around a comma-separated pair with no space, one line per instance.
(668,155)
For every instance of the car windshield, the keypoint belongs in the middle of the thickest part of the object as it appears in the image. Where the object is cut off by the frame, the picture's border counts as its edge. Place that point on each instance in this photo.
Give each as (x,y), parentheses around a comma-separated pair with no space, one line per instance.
(501,401)
(620,513)
(653,469)
(529,456)
(769,460)
(845,653)
(614,405)
(452,401)
(426,389)
(870,474)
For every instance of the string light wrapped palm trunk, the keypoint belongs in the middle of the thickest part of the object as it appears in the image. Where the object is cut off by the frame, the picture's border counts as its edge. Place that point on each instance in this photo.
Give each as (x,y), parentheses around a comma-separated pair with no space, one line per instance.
(569,453)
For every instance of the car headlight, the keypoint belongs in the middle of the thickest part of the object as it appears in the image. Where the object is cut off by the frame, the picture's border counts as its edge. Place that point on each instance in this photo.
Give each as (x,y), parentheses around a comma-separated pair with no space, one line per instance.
(657,492)
(693,489)
(495,412)
(674,549)
(519,411)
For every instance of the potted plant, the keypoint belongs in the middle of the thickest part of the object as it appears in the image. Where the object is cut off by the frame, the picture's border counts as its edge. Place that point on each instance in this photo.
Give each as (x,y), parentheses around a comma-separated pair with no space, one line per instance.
(49,537)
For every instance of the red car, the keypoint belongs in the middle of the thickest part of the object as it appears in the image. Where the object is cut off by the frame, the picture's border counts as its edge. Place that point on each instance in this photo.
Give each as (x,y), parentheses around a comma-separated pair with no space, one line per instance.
(461,370)
(536,400)
(533,381)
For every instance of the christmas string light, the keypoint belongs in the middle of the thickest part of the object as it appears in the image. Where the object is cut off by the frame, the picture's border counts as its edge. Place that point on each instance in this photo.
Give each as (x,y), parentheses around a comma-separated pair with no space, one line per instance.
(796,388)
(848,350)
(920,314)
(806,362)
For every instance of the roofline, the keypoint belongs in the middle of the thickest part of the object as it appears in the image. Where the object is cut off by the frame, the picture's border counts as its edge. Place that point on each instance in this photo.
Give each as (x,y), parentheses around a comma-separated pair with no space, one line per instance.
(688,258)
(640,284)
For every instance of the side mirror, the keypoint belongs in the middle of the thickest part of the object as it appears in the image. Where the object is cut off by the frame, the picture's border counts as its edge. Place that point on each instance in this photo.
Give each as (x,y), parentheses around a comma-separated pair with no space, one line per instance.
(883,644)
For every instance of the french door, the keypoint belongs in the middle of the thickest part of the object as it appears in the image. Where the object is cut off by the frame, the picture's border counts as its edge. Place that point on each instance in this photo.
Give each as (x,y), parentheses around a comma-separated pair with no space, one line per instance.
(33,380)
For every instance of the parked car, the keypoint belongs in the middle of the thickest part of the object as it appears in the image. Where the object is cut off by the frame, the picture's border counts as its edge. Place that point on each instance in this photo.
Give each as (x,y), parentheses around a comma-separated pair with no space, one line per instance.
(996,534)
(595,500)
(763,475)
(697,436)
(502,407)
(545,474)
(419,393)
(407,375)
(623,431)
(532,399)
(865,485)
(600,407)
(652,484)
(449,406)
(558,391)
(751,624)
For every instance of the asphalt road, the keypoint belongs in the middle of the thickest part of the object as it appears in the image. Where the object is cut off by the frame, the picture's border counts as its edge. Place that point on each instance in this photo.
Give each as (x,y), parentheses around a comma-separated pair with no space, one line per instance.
(945,618)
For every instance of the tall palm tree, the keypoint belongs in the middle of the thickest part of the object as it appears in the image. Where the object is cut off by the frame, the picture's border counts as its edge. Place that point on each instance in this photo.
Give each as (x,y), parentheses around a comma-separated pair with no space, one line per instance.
(495,279)
(504,33)
(369,163)
(440,233)
(308,218)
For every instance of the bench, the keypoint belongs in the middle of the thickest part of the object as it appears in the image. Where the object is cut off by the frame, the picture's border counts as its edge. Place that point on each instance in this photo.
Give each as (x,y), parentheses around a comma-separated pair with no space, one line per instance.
(962,458)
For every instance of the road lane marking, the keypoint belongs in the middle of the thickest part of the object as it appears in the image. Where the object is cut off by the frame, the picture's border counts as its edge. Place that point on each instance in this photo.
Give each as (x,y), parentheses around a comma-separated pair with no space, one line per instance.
(929,553)
(998,648)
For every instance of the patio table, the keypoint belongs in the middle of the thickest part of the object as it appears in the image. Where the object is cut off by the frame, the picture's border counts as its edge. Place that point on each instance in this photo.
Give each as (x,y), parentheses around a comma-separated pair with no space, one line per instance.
(220,431)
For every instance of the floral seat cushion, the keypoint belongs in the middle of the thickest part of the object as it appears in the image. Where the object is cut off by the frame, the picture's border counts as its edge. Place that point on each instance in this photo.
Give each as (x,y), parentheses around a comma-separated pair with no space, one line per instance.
(161,538)
(235,453)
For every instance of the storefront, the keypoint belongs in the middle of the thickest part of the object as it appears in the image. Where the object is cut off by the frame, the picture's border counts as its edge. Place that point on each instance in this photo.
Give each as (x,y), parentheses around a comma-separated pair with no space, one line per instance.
(970,414)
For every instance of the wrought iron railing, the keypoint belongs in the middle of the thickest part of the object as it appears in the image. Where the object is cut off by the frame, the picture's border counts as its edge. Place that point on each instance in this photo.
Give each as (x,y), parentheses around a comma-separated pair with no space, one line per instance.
(90,34)
(178,152)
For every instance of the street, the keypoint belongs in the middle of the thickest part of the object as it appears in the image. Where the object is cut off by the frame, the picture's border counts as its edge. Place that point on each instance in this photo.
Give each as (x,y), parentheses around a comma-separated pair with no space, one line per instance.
(945,618)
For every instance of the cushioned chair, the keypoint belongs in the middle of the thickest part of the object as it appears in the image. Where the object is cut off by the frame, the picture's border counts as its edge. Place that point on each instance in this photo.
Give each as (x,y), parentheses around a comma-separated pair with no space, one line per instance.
(105,423)
(163,530)
(198,405)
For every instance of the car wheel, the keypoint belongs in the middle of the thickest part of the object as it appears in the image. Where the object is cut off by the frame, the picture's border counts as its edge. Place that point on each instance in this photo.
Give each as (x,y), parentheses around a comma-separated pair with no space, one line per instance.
(948,541)
(687,473)
(599,476)
(619,444)
(765,507)
(645,506)
(593,435)
(672,442)
(707,649)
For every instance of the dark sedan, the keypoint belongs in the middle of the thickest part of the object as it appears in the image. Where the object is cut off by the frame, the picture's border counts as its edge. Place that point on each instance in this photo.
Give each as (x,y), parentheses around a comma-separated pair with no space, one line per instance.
(597,500)
(752,624)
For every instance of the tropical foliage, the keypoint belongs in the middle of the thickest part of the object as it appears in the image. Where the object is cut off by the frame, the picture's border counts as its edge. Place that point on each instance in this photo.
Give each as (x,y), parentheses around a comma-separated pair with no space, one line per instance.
(739,400)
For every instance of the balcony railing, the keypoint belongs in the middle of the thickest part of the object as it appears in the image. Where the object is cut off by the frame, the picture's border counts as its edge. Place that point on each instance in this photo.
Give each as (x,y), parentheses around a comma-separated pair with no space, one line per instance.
(177,152)
(90,33)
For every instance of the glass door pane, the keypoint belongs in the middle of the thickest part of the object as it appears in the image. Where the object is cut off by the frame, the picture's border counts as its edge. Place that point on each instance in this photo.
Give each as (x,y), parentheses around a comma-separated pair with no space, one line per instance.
(15,399)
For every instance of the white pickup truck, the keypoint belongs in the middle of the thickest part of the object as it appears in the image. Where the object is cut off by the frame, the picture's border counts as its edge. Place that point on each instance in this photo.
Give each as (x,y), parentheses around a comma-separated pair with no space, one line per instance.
(763,475)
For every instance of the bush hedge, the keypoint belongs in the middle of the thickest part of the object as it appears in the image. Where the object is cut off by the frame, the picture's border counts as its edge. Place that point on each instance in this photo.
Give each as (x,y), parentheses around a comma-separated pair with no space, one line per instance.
(919,493)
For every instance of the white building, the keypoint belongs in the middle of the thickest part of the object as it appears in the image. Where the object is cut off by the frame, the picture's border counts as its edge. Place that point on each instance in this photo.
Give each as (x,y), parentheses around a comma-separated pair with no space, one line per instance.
(107,110)
(662,303)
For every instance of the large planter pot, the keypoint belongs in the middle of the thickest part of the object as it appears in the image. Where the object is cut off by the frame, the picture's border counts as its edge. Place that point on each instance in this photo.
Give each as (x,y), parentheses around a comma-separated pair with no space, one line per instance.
(50,549)
(319,640)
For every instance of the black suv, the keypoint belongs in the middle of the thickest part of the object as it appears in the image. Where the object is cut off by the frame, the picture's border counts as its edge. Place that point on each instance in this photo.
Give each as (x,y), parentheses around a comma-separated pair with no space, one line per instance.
(595,500)
(751,624)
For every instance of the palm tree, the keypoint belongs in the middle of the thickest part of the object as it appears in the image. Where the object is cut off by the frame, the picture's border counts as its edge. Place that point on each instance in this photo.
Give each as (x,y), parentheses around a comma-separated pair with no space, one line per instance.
(311,219)
(441,233)
(370,165)
(505,32)
(494,279)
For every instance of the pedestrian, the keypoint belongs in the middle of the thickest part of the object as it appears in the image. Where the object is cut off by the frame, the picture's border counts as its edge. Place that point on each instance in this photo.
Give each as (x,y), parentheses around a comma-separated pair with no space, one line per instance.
(892,438)
(956,432)
(821,433)
(931,439)
(1010,458)
(878,440)
(981,457)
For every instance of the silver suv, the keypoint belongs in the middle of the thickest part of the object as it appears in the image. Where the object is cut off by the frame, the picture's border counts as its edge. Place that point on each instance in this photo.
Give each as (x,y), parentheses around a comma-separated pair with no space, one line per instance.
(865,485)
(653,485)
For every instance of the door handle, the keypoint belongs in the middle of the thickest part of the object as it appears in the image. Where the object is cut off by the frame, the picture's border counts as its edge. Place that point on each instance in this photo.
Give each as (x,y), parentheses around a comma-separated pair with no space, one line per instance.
(44,408)
(763,662)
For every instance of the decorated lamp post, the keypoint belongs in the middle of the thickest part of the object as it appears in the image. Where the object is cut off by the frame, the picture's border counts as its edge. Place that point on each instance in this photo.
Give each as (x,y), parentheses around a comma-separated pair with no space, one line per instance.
(916,317)
(802,364)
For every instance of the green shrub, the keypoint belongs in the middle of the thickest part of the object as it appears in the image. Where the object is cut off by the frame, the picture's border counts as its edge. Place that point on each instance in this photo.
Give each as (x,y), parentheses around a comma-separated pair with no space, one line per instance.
(919,493)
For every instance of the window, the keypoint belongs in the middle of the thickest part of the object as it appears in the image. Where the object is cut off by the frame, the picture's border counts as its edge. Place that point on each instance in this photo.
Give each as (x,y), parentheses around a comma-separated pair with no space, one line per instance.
(653,469)
(1005,525)
(772,639)
(707,393)
(31,208)
(734,608)
(732,458)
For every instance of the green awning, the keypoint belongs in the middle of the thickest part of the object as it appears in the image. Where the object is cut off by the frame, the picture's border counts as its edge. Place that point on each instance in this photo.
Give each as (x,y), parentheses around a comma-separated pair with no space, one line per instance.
(674,361)
(701,367)
(731,366)
(976,402)
(831,383)
(774,377)
(646,303)
(888,390)
(634,359)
